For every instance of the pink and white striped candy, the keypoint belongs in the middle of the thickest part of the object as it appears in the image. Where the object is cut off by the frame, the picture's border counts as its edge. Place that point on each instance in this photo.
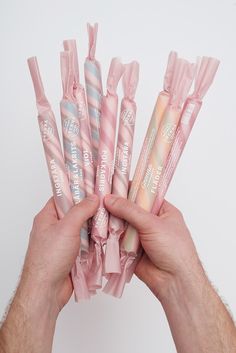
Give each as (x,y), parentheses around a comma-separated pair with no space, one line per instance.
(105,169)
(85,134)
(93,84)
(120,182)
(51,143)
(72,140)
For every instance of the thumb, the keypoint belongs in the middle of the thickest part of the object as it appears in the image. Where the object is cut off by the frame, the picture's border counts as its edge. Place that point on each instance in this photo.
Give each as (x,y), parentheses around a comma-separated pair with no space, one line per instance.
(78,214)
(139,218)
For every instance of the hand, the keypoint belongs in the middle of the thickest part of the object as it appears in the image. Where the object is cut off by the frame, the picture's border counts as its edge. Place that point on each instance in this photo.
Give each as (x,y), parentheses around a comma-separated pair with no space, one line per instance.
(171,268)
(45,285)
(53,247)
(169,252)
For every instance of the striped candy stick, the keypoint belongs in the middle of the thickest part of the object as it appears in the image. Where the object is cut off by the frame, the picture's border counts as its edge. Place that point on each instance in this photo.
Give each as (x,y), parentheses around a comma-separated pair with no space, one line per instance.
(192,106)
(85,155)
(51,144)
(159,109)
(89,172)
(71,139)
(74,164)
(85,134)
(105,169)
(146,194)
(93,84)
(120,181)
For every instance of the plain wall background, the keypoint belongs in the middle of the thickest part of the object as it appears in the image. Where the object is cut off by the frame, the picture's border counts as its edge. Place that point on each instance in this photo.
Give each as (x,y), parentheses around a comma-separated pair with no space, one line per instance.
(204,183)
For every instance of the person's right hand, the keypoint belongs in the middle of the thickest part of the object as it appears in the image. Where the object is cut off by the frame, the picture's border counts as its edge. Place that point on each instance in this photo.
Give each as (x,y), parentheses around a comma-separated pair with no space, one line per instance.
(169,250)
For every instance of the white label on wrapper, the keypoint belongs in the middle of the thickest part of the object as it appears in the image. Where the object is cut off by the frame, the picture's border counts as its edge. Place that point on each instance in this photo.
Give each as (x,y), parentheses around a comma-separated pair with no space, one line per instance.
(187,114)
(71,127)
(46,129)
(122,158)
(127,117)
(56,177)
(81,105)
(168,132)
(101,218)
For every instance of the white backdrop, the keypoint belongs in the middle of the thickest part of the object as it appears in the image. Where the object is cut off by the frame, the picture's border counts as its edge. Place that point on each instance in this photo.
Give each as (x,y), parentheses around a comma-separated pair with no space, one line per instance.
(204,184)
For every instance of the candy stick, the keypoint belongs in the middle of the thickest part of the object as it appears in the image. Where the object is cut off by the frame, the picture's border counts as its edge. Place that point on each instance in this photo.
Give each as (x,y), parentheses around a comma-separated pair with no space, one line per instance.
(93,83)
(160,106)
(130,244)
(51,144)
(203,81)
(85,135)
(54,156)
(74,162)
(71,139)
(120,181)
(88,171)
(105,169)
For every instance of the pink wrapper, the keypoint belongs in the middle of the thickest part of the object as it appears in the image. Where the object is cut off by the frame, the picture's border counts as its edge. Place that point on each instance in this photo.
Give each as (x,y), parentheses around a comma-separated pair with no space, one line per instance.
(71,138)
(85,135)
(51,144)
(93,83)
(130,244)
(74,161)
(54,156)
(104,170)
(88,167)
(120,181)
(189,114)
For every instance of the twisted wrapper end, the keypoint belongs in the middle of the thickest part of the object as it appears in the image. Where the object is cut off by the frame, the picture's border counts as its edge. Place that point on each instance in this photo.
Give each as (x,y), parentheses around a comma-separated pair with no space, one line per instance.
(170,69)
(41,99)
(112,256)
(79,282)
(94,278)
(116,282)
(205,76)
(92,35)
(130,79)
(116,70)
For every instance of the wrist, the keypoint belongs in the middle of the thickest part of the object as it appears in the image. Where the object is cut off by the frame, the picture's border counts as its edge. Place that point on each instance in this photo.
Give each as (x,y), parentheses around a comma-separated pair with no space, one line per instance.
(187,279)
(37,297)
(186,287)
(31,319)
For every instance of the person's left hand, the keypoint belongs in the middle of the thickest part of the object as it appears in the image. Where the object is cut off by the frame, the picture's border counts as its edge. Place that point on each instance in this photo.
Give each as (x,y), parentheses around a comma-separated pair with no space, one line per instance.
(53,248)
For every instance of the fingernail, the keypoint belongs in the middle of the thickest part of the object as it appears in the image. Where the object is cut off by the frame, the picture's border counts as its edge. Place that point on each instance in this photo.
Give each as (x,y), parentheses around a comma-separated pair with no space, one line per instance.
(110,199)
(92,197)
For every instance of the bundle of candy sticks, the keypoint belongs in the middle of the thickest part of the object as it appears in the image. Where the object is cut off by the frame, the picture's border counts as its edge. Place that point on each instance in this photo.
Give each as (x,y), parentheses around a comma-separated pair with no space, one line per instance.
(97,152)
